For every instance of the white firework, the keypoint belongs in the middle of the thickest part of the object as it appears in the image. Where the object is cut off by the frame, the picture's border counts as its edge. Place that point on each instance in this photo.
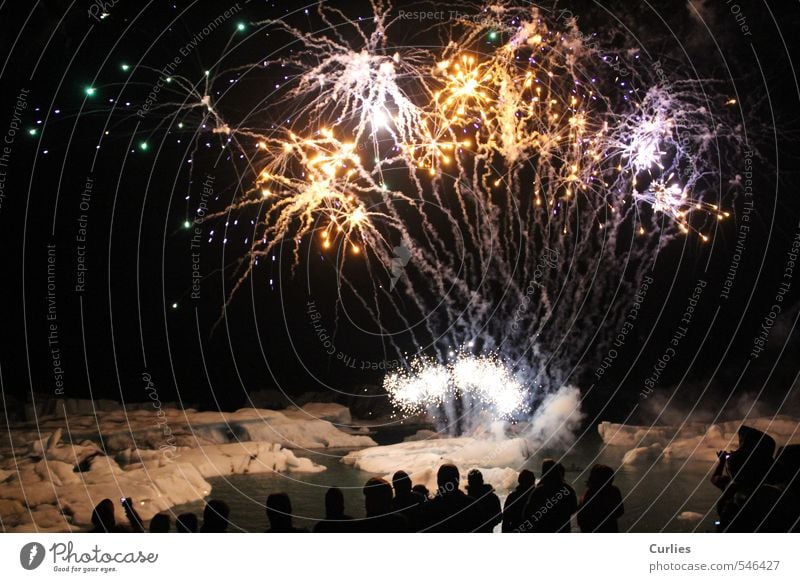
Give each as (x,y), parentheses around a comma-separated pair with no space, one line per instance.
(467,390)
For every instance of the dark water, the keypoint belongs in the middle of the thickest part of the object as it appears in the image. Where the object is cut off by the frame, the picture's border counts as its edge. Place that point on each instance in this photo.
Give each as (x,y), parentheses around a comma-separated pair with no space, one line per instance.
(246,494)
(654,495)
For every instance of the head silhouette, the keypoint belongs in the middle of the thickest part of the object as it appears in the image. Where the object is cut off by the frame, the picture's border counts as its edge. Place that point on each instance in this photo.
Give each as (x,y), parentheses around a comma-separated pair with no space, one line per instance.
(756,442)
(377,497)
(422,491)
(474,479)
(600,476)
(160,523)
(753,460)
(401,483)
(186,523)
(215,516)
(552,472)
(103,516)
(447,479)
(334,503)
(526,479)
(279,511)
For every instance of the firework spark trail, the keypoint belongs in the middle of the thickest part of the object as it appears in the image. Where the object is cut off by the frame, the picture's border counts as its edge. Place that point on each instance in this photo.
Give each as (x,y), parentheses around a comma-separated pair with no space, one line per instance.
(527,150)
(526,113)
(667,132)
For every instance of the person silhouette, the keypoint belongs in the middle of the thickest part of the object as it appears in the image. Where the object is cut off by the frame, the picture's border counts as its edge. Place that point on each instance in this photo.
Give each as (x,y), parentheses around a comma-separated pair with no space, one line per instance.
(747,500)
(279,514)
(514,508)
(450,510)
(160,523)
(103,519)
(406,500)
(215,517)
(551,503)
(601,505)
(487,502)
(749,464)
(335,518)
(378,506)
(404,495)
(186,523)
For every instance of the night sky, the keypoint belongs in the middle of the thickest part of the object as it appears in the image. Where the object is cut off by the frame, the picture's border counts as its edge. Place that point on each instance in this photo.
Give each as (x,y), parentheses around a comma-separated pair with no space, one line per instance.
(96,196)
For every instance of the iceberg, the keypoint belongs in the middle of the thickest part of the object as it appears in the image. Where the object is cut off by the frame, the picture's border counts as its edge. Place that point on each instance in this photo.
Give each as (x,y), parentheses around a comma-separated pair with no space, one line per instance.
(692,440)
(498,459)
(158,457)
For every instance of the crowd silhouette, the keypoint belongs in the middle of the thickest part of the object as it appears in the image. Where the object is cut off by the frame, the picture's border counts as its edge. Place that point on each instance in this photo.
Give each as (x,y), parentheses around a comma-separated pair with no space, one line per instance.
(401,506)
(760,491)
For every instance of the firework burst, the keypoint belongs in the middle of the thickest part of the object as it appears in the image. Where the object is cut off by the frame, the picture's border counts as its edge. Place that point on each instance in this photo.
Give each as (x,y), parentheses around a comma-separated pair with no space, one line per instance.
(532,188)
(463,393)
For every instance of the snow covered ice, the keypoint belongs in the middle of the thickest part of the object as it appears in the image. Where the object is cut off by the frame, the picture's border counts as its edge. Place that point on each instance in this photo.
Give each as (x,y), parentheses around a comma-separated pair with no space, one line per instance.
(692,440)
(54,473)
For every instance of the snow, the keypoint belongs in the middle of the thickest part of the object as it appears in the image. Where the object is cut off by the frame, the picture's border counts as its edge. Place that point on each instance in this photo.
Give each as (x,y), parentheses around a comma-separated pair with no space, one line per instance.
(153,428)
(692,440)
(61,499)
(335,413)
(243,458)
(497,459)
(160,457)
